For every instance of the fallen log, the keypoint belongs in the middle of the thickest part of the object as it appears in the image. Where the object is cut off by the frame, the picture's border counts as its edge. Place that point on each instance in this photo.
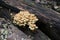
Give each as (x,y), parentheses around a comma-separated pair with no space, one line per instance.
(49,20)
(19,33)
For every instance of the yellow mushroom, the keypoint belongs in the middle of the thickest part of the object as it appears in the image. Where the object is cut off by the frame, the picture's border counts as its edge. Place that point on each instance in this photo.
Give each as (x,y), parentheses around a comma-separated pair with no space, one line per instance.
(25,18)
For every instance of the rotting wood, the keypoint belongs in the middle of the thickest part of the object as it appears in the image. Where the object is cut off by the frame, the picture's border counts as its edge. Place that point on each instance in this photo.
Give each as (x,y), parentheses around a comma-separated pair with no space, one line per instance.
(47,16)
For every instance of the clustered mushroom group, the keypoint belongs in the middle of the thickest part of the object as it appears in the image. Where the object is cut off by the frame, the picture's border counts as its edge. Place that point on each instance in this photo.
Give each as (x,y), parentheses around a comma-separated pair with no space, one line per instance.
(24,18)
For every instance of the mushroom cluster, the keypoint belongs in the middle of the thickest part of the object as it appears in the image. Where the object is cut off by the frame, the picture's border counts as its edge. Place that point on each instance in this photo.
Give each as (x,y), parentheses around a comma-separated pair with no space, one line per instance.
(25,18)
